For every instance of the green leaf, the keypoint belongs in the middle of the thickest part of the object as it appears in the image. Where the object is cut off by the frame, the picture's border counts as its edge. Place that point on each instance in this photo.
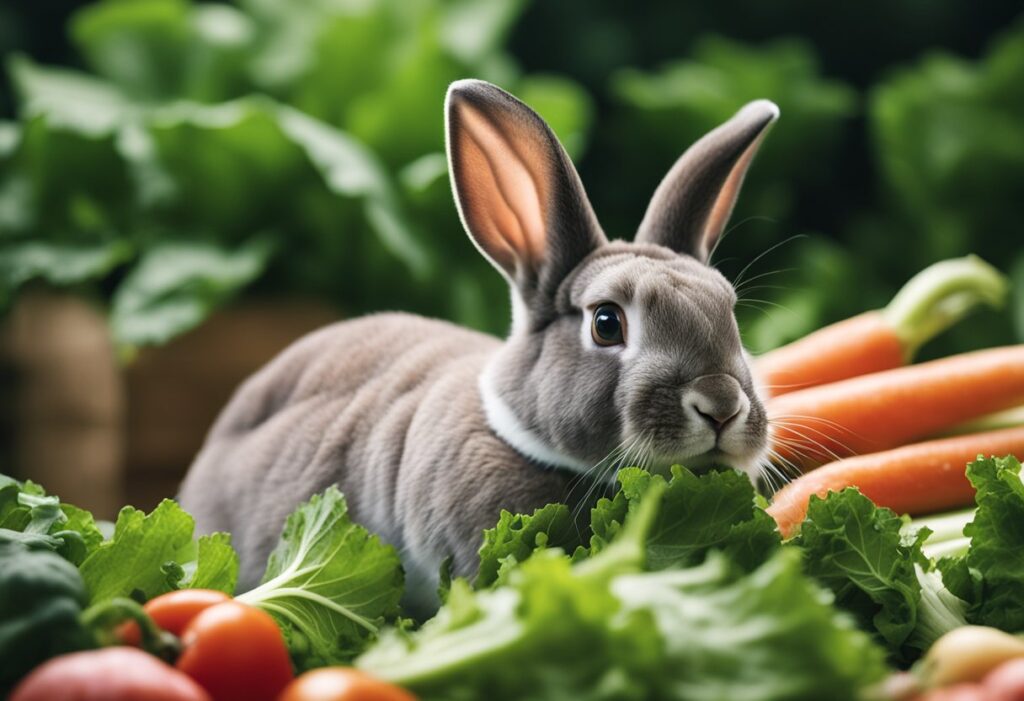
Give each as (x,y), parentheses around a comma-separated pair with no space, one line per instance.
(713,511)
(60,264)
(68,99)
(216,565)
(990,577)
(858,551)
(557,630)
(517,536)
(133,558)
(82,522)
(329,583)
(772,634)
(150,555)
(176,285)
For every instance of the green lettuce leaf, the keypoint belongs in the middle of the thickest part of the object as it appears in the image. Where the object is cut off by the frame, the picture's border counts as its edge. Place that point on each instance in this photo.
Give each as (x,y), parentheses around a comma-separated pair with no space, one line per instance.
(153,554)
(517,536)
(699,513)
(28,515)
(859,552)
(603,628)
(990,576)
(329,583)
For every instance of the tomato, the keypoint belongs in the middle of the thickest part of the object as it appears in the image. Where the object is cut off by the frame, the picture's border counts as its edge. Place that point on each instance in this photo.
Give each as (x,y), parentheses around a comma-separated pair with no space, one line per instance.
(342,684)
(1006,682)
(172,612)
(235,652)
(110,674)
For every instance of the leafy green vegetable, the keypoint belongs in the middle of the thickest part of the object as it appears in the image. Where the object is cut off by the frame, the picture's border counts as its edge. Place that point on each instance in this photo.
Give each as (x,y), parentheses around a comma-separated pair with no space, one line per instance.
(517,536)
(175,286)
(41,599)
(990,576)
(30,517)
(950,143)
(602,628)
(858,551)
(699,513)
(329,583)
(148,556)
(876,568)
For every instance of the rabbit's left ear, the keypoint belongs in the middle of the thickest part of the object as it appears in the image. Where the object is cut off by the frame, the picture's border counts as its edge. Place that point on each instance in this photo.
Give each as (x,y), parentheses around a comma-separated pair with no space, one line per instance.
(692,204)
(518,193)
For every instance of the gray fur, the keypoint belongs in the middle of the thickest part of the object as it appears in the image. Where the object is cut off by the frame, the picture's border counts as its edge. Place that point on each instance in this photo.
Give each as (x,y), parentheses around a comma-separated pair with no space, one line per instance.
(413,418)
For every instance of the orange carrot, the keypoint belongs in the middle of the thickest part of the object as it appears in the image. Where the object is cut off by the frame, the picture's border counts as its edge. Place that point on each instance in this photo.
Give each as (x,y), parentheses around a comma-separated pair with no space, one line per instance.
(856,346)
(930,302)
(889,409)
(915,479)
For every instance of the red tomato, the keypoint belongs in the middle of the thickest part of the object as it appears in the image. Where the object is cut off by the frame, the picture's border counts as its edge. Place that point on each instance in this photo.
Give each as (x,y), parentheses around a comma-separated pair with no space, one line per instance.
(342,684)
(236,653)
(110,674)
(172,612)
(1006,682)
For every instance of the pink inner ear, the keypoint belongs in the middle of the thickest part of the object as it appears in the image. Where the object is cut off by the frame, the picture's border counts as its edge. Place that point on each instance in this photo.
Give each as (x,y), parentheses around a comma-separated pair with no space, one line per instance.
(503,198)
(726,199)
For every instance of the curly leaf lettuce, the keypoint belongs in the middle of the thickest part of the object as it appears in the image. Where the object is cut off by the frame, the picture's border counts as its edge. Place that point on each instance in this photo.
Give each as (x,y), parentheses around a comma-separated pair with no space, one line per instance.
(330,584)
(698,513)
(517,536)
(858,551)
(990,576)
(153,554)
(603,628)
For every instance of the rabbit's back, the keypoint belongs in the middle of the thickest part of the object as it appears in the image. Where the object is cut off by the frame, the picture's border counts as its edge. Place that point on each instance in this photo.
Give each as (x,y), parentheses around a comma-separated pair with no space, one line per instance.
(387,408)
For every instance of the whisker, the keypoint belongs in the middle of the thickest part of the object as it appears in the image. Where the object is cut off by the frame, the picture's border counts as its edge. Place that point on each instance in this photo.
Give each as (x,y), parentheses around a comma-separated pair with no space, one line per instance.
(739,278)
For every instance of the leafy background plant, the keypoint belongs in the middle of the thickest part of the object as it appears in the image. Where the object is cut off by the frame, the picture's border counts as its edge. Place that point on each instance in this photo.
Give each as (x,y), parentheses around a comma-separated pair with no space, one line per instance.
(163,156)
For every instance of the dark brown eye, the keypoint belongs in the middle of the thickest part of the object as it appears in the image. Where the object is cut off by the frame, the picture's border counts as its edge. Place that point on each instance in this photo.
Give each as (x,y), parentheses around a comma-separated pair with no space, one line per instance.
(609,326)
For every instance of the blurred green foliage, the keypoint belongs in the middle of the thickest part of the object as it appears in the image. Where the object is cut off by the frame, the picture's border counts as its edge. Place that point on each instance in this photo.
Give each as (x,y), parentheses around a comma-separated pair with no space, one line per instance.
(297,144)
(296,147)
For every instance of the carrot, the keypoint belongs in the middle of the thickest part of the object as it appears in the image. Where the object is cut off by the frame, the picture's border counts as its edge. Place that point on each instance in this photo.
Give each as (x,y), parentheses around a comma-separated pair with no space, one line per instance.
(891,408)
(930,302)
(915,479)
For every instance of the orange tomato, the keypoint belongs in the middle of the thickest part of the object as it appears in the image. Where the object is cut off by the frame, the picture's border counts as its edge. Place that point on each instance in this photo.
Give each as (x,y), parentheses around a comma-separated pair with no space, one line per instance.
(172,612)
(236,652)
(342,684)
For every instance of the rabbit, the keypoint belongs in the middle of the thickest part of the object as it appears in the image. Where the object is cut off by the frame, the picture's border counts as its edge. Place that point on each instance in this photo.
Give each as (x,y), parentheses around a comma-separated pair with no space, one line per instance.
(619,353)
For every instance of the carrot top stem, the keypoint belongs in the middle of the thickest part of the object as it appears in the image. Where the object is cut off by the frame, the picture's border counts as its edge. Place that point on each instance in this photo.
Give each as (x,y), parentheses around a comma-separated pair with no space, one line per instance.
(939,296)
(1008,418)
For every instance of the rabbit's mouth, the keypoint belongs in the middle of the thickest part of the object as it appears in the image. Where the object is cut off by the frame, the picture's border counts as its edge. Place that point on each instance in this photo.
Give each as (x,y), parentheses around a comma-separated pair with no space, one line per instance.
(716,458)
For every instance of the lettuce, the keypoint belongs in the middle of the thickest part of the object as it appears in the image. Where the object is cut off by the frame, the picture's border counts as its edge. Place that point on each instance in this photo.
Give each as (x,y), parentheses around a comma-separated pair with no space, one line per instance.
(153,554)
(990,575)
(329,584)
(29,516)
(698,513)
(517,536)
(604,628)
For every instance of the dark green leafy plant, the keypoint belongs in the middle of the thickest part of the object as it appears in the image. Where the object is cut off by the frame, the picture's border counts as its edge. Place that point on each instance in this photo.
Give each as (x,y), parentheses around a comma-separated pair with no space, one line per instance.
(215,146)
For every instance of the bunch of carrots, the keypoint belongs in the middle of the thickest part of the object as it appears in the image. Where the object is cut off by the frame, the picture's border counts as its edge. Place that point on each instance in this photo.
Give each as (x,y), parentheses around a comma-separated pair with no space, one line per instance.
(847,410)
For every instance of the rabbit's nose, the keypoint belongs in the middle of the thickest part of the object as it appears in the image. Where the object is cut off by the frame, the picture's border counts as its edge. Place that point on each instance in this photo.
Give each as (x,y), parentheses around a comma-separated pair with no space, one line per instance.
(717,400)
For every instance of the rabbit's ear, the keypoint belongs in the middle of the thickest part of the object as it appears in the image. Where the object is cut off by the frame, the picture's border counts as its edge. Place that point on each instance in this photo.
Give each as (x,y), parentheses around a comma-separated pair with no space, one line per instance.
(692,204)
(518,194)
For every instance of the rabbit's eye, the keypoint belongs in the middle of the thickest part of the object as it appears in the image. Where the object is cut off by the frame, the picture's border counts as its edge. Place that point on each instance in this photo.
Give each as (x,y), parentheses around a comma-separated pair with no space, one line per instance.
(609,325)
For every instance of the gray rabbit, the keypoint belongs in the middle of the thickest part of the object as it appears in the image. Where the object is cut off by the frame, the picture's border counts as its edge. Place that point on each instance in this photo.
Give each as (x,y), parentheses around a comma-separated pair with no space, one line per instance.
(619,353)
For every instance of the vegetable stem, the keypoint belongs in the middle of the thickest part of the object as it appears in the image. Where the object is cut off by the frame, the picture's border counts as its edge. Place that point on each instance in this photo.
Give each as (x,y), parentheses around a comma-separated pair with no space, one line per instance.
(945,527)
(939,296)
(101,618)
(1008,418)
